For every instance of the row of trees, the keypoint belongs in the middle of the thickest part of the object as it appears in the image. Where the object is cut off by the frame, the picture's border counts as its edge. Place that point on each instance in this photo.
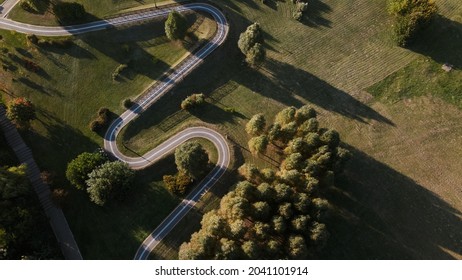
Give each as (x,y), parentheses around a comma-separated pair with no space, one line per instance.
(104,180)
(275,214)
(410,17)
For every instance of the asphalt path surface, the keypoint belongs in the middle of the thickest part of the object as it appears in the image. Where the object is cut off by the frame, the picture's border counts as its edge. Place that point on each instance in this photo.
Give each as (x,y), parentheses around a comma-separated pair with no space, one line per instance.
(149,98)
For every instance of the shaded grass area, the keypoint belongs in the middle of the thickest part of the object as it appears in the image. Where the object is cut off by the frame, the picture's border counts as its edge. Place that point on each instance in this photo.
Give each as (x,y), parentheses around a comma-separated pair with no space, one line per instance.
(382,214)
(424,76)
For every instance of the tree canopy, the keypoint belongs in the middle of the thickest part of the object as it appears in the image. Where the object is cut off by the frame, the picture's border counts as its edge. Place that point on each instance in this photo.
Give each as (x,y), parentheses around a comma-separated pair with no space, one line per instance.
(175,26)
(108,181)
(250,43)
(21,111)
(191,159)
(78,169)
(410,17)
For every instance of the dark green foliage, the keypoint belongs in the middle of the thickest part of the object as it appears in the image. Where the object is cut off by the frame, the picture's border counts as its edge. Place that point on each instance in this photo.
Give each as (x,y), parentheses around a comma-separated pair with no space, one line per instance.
(276,215)
(410,17)
(175,26)
(191,159)
(108,181)
(69,13)
(78,169)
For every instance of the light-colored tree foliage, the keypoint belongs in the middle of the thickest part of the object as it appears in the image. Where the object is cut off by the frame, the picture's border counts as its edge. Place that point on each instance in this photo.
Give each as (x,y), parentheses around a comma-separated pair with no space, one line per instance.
(256,125)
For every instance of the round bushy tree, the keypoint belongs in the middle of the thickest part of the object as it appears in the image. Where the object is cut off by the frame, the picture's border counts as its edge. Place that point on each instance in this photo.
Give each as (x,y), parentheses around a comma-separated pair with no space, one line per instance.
(78,169)
(21,111)
(112,179)
(191,159)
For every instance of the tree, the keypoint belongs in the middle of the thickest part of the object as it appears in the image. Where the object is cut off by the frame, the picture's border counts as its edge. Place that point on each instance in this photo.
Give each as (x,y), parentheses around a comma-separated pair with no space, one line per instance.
(191,159)
(110,180)
(78,169)
(175,26)
(250,37)
(286,116)
(250,43)
(21,111)
(410,16)
(256,125)
(255,55)
(193,101)
(258,145)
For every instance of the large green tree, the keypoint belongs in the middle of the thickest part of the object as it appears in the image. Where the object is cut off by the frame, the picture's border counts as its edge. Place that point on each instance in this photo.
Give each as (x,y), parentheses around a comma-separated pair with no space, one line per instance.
(256,125)
(108,181)
(175,26)
(191,159)
(78,169)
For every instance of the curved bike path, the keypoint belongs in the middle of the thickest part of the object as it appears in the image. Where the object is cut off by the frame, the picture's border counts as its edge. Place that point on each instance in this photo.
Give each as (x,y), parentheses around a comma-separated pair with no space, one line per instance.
(148,98)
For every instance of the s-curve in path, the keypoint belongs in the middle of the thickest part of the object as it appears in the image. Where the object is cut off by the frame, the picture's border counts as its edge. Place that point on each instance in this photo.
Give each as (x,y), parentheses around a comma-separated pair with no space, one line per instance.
(150,97)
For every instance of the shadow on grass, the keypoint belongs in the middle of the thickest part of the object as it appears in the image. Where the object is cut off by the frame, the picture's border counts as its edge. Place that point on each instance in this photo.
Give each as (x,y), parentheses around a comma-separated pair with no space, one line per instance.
(382,214)
(442,41)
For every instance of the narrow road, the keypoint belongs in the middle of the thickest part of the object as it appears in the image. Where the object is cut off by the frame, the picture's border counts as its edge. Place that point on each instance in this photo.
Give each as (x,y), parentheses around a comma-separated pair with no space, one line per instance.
(149,98)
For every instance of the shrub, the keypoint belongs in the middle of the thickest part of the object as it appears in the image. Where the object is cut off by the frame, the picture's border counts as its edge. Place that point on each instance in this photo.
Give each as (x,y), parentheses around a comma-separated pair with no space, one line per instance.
(119,71)
(193,101)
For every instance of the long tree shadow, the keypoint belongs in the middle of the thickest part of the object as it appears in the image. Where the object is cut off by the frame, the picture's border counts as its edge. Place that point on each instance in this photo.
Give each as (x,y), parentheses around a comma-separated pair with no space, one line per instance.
(442,41)
(315,15)
(382,214)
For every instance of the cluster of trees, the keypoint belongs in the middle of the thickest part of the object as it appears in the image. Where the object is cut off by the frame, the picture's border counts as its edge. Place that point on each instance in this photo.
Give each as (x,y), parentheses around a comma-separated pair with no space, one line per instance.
(104,180)
(251,44)
(21,111)
(175,26)
(276,214)
(410,17)
(192,101)
(191,160)
(24,229)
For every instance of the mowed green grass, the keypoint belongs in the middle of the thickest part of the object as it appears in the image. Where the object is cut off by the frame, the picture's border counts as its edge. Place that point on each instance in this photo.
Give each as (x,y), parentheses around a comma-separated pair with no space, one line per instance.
(71,85)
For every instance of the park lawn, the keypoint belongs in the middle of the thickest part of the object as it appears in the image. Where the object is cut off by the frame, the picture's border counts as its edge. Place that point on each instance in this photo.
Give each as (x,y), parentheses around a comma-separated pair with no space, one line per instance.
(96,10)
(330,61)
(68,89)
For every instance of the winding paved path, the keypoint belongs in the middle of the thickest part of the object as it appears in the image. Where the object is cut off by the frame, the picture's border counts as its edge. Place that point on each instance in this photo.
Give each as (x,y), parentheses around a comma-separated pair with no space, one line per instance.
(150,97)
